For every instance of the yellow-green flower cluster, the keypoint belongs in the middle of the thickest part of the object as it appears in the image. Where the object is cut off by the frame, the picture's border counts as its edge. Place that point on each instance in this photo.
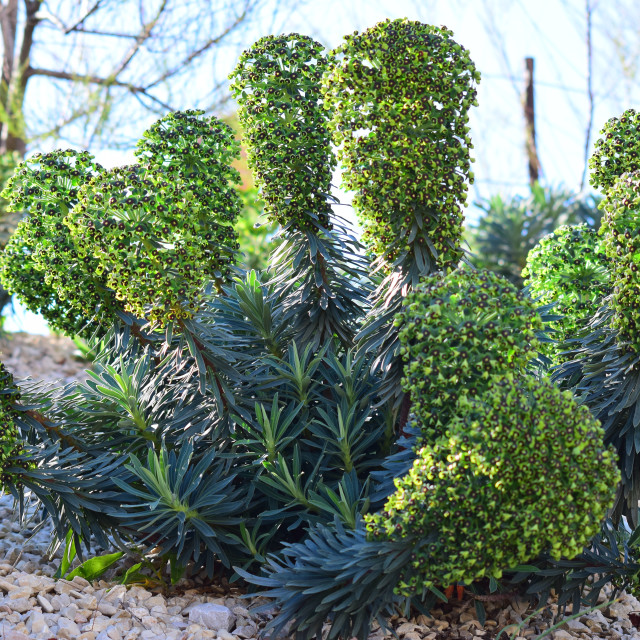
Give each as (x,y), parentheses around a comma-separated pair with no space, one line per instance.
(277,86)
(155,245)
(616,151)
(11,446)
(197,152)
(147,237)
(41,264)
(457,332)
(519,471)
(400,94)
(570,268)
(621,231)
(20,276)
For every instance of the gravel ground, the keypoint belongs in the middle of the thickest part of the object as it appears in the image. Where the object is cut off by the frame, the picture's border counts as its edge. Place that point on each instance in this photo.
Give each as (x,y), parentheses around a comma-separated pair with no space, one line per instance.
(50,358)
(34,605)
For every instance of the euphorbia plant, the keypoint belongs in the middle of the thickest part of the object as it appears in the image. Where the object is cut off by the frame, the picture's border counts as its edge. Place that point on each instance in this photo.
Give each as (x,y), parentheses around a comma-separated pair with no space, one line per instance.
(602,361)
(569,270)
(258,422)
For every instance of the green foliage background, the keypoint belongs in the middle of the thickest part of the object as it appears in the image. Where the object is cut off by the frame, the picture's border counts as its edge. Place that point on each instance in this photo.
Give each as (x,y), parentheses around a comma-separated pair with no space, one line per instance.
(503,236)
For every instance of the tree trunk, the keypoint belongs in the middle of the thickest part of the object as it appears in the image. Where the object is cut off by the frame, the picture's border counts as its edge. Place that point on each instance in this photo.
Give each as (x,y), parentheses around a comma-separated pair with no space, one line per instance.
(14,72)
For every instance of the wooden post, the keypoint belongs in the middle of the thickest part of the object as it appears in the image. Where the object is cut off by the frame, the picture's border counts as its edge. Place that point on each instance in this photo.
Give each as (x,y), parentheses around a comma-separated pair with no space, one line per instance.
(530,122)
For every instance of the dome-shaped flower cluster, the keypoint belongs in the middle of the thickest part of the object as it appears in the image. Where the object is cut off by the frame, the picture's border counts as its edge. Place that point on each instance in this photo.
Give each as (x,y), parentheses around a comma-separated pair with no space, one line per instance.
(568,267)
(616,151)
(456,332)
(507,480)
(155,244)
(41,263)
(146,237)
(505,459)
(20,277)
(400,93)
(197,152)
(620,228)
(11,445)
(277,86)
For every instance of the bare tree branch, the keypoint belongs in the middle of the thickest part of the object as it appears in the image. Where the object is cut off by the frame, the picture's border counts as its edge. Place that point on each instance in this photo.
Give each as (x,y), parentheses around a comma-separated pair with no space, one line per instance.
(45,15)
(130,55)
(111,34)
(105,82)
(205,47)
(8,26)
(142,37)
(91,11)
(27,35)
(587,140)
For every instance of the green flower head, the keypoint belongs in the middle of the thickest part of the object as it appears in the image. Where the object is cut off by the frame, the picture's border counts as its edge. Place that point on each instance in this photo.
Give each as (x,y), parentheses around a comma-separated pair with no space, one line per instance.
(12,451)
(456,332)
(568,267)
(41,263)
(616,151)
(620,230)
(155,244)
(506,481)
(400,94)
(277,86)
(196,152)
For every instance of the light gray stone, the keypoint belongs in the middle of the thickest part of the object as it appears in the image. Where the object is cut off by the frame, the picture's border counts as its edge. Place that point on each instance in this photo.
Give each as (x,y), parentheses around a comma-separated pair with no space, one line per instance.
(576,625)
(107,608)
(124,625)
(176,622)
(5,585)
(60,601)
(619,610)
(139,612)
(70,611)
(21,605)
(140,594)
(81,582)
(116,594)
(67,629)
(37,583)
(97,624)
(12,634)
(596,616)
(240,611)
(44,603)
(20,592)
(154,601)
(151,623)
(64,586)
(157,609)
(212,616)
(37,624)
(113,633)
(88,602)
(246,631)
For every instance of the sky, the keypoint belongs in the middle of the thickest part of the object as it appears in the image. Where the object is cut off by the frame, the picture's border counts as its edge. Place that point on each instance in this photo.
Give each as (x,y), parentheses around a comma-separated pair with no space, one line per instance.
(499,35)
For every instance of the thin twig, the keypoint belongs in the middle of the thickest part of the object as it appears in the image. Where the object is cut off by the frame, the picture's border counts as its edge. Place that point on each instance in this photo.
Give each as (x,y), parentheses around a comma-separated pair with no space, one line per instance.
(587,142)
